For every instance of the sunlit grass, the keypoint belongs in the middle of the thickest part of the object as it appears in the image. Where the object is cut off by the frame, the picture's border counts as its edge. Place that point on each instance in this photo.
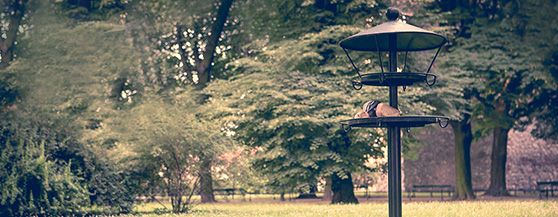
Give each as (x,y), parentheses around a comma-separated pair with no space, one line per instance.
(538,208)
(291,196)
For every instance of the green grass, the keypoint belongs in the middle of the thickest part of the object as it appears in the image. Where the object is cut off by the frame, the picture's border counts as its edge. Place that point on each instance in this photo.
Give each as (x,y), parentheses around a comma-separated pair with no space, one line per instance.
(359,194)
(415,209)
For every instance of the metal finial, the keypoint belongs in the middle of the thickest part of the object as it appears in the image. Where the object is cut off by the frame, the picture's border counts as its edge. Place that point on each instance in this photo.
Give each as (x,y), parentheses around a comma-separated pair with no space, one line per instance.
(392,13)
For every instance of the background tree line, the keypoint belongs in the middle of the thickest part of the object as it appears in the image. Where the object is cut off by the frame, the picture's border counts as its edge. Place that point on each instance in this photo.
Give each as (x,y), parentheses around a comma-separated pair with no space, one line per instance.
(118,99)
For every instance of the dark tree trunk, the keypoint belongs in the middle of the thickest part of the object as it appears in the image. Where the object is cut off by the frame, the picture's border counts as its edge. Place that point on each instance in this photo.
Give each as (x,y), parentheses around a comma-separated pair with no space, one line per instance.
(498,163)
(328,195)
(7,45)
(342,189)
(204,67)
(282,195)
(206,182)
(463,139)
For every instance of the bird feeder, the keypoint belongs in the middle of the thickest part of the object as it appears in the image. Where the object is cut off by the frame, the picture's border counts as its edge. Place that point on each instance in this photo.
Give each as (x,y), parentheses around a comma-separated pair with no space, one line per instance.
(394,36)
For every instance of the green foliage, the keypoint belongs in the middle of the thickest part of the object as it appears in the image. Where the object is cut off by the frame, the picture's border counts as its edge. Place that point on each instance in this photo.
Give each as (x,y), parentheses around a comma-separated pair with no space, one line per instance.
(65,74)
(91,9)
(68,72)
(8,90)
(233,169)
(171,36)
(34,185)
(505,56)
(546,125)
(276,20)
(111,188)
(106,185)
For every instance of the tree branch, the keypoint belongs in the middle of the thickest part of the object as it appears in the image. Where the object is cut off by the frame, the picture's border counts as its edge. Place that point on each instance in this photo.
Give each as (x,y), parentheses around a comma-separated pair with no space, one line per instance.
(189,199)
(204,68)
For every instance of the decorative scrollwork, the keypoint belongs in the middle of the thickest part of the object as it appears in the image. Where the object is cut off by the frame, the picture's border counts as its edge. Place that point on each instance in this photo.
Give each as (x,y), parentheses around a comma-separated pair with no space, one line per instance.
(433,81)
(357,85)
(443,122)
(346,128)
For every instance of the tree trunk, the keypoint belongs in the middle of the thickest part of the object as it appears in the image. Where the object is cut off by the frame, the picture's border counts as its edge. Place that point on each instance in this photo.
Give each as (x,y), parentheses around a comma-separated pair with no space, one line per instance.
(328,195)
(463,139)
(282,196)
(204,67)
(498,163)
(7,44)
(342,189)
(206,182)
(204,73)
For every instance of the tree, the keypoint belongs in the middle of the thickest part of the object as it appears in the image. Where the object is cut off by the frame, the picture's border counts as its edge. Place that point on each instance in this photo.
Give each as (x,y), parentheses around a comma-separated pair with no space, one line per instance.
(454,19)
(63,96)
(169,145)
(504,55)
(292,151)
(191,49)
(201,78)
(13,11)
(461,21)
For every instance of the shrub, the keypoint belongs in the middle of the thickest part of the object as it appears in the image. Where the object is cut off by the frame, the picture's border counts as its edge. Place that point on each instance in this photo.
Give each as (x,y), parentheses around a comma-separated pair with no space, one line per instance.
(32,185)
(91,9)
(111,189)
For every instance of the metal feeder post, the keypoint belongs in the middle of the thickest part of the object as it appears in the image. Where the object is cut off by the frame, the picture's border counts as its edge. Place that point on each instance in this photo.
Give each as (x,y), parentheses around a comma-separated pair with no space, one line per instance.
(394,140)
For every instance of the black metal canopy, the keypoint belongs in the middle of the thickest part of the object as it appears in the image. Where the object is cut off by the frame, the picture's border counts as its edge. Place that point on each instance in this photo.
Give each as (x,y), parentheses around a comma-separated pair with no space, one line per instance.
(409,37)
(405,38)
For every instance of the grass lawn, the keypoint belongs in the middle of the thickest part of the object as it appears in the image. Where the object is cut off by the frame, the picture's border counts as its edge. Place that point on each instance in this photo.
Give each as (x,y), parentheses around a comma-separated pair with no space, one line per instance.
(415,209)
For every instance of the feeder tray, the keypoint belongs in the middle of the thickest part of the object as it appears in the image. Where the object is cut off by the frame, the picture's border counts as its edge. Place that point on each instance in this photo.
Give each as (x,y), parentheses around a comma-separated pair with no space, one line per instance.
(399,121)
(396,79)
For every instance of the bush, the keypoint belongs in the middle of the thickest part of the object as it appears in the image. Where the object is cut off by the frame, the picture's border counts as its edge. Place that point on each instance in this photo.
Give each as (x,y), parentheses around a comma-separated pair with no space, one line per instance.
(8,90)
(40,152)
(111,189)
(91,9)
(32,185)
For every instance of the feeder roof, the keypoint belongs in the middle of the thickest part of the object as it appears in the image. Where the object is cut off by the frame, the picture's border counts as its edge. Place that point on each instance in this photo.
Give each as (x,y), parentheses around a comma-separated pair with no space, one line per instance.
(409,37)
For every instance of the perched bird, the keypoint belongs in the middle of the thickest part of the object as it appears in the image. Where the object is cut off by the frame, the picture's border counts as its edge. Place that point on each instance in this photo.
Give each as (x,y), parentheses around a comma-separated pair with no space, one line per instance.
(376,109)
